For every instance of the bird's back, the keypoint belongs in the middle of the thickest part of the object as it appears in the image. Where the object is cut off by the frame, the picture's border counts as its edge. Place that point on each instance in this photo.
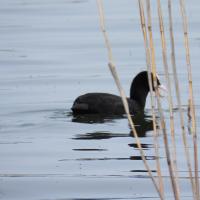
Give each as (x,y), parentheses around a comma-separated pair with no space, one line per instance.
(101,103)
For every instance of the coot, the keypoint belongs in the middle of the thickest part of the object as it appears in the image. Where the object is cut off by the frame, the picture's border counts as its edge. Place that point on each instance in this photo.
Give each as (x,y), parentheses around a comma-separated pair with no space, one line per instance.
(109,104)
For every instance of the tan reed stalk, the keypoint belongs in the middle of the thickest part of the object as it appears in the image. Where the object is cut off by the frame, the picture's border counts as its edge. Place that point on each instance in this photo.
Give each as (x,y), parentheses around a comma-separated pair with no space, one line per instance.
(170,101)
(116,78)
(173,61)
(123,96)
(191,98)
(149,63)
(172,166)
(189,67)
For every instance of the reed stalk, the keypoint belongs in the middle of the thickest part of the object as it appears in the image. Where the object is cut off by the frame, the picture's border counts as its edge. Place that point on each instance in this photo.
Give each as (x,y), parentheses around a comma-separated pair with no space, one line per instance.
(173,61)
(172,166)
(123,96)
(151,67)
(150,60)
(191,97)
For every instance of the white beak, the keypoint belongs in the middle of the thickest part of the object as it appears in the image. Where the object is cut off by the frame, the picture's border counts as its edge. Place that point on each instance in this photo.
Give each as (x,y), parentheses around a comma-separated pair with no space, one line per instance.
(162,91)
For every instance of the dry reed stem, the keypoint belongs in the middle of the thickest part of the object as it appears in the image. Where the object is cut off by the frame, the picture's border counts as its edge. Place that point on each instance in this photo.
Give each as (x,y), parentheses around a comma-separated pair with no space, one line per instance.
(152,52)
(124,100)
(189,67)
(173,61)
(114,73)
(150,59)
(172,166)
(191,98)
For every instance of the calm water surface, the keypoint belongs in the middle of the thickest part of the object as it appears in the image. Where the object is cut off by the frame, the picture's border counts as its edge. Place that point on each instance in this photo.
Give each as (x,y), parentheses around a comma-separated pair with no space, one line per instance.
(52,51)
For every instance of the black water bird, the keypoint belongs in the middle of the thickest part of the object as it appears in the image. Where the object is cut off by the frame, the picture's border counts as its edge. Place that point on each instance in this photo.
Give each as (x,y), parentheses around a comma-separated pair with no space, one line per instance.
(109,104)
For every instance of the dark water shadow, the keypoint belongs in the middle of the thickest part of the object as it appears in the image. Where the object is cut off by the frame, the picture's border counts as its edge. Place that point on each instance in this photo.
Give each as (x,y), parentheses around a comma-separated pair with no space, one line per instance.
(110,158)
(99,136)
(86,149)
(142,171)
(144,146)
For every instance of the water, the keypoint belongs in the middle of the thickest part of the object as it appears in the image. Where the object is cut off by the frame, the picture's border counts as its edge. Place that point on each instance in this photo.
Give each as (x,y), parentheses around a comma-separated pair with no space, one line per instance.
(51,52)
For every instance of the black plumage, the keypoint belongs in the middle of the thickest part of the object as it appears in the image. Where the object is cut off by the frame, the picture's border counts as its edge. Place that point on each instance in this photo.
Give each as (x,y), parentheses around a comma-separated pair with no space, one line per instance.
(104,103)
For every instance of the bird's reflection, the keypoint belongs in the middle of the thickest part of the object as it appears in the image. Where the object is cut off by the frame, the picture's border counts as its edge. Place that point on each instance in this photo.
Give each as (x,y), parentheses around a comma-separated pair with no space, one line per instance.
(94,118)
(143,124)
